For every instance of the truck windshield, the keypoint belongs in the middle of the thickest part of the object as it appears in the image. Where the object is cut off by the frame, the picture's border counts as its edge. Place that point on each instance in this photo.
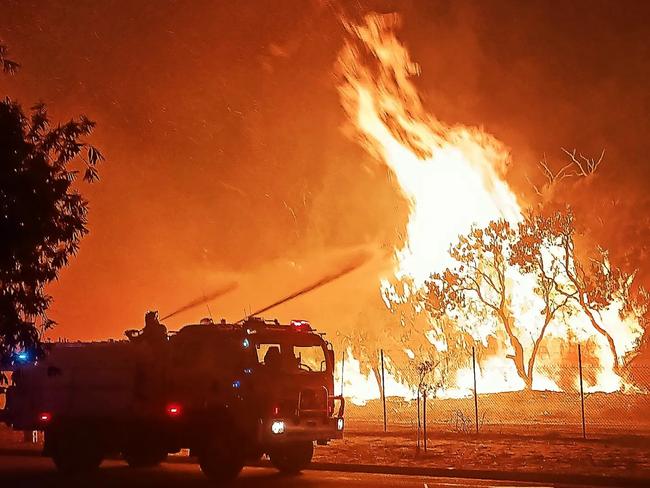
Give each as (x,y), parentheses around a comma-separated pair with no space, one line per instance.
(291,358)
(310,358)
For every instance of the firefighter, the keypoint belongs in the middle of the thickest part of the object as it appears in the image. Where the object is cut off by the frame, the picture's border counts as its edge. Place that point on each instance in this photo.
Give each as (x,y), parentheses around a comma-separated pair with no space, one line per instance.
(273,359)
(153,331)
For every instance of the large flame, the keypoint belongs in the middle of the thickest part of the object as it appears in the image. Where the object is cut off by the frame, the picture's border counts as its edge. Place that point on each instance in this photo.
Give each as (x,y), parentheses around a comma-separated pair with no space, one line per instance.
(453,178)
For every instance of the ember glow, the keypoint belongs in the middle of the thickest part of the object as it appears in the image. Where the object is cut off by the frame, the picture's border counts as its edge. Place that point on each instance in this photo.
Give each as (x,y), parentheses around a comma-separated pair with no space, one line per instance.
(453,177)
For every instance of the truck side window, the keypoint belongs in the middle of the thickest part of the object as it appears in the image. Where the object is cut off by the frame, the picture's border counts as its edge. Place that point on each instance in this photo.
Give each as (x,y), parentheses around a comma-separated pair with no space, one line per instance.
(263,350)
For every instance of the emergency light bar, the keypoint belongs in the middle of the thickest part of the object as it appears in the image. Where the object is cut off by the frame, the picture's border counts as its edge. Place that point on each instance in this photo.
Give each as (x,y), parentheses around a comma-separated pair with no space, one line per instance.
(301,325)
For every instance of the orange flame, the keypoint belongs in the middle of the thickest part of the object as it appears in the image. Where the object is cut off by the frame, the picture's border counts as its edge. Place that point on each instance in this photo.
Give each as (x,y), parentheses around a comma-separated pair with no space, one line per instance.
(453,178)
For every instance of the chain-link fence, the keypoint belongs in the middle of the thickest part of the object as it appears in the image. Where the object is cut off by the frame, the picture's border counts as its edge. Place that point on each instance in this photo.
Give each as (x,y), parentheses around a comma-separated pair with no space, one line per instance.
(568,400)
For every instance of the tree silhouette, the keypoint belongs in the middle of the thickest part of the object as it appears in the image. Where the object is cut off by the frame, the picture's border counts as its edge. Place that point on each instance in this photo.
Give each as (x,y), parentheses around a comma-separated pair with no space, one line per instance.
(372,333)
(537,251)
(42,216)
(590,283)
(481,285)
(7,65)
(478,287)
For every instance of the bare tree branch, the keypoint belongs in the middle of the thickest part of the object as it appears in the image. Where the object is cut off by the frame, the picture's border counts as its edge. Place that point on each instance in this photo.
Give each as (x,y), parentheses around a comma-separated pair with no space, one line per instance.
(586,166)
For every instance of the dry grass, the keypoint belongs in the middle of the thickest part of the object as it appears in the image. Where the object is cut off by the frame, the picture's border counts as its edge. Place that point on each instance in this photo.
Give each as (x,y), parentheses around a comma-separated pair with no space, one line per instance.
(624,457)
(521,413)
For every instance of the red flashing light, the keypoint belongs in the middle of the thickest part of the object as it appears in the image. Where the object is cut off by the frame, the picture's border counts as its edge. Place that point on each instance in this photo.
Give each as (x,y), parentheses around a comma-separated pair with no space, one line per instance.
(276,410)
(301,325)
(45,417)
(174,410)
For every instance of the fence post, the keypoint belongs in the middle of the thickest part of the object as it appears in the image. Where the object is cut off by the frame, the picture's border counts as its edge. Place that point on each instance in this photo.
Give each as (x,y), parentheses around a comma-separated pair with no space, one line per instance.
(342,371)
(582,393)
(424,418)
(418,426)
(383,387)
(475,393)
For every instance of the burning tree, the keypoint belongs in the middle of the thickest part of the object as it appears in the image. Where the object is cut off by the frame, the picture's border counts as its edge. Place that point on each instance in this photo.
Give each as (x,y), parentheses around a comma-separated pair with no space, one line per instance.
(479,288)
(364,346)
(365,342)
(536,253)
(591,284)
(492,263)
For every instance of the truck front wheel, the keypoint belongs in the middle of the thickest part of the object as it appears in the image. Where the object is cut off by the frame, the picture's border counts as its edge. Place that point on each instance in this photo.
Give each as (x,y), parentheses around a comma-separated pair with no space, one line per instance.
(74,449)
(291,458)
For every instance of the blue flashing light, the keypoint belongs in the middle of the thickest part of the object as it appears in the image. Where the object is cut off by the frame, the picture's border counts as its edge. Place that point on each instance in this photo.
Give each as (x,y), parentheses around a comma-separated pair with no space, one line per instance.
(23,356)
(236,384)
(246,342)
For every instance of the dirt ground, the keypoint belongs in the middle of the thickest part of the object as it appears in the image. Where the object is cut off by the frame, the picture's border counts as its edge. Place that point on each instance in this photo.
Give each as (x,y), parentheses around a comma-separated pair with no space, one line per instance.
(628,457)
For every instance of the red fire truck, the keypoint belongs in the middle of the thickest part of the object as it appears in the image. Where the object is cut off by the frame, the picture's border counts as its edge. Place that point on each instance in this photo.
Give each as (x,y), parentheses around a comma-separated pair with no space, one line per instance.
(230,393)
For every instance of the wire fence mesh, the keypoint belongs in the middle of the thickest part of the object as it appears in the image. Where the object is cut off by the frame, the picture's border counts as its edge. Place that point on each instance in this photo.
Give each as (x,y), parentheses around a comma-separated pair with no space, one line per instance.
(609,404)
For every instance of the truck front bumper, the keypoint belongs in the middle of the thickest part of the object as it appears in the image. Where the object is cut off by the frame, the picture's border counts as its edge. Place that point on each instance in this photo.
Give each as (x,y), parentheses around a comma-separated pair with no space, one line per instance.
(276,431)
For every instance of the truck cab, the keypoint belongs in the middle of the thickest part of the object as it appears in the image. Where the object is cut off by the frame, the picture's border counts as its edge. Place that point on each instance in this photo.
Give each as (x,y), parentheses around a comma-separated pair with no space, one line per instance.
(266,384)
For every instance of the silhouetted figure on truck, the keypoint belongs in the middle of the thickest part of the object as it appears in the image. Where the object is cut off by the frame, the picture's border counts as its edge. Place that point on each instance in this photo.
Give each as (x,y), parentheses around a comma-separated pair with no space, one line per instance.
(273,359)
(153,332)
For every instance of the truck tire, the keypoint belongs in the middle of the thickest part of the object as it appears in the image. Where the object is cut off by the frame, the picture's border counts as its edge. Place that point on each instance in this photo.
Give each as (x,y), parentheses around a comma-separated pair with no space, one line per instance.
(292,458)
(220,460)
(75,449)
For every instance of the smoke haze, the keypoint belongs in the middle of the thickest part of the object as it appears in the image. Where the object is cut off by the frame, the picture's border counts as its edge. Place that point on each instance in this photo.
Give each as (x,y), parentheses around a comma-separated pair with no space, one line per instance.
(221,124)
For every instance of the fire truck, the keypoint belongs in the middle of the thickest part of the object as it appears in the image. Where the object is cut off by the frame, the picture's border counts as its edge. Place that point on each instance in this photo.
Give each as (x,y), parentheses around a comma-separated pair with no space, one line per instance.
(228,392)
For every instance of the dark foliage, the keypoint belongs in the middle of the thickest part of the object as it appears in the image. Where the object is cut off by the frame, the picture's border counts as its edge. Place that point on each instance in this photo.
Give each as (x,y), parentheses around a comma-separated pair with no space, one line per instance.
(42,217)
(7,65)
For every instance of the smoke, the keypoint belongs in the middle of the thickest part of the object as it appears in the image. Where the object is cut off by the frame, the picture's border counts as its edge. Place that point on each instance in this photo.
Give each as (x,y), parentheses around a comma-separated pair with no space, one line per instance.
(235,114)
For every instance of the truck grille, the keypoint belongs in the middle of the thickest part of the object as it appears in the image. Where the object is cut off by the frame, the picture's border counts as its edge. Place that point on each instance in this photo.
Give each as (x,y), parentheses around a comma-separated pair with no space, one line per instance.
(313,402)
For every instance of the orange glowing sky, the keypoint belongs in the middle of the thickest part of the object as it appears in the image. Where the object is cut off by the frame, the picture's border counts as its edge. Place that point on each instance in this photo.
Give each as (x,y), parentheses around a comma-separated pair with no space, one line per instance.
(221,125)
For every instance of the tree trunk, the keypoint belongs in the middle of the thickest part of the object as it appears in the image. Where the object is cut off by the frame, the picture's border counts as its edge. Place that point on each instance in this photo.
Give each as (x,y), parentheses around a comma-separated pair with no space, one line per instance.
(538,341)
(597,326)
(518,358)
(377,373)
(585,306)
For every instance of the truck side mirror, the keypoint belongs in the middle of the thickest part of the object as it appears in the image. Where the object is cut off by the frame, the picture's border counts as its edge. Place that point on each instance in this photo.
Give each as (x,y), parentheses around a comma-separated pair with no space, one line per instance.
(330,358)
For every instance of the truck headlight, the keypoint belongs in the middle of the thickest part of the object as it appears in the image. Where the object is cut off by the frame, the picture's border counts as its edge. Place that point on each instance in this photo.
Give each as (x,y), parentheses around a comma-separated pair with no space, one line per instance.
(277,427)
(339,424)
